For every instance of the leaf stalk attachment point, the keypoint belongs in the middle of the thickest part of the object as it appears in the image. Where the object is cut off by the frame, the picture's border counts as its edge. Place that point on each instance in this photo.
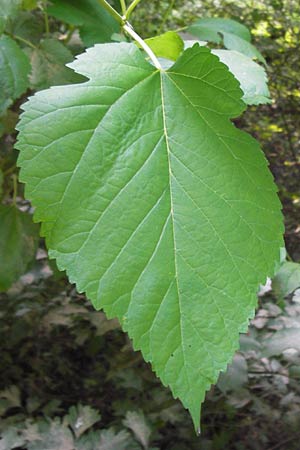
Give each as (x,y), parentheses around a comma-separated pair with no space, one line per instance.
(122,20)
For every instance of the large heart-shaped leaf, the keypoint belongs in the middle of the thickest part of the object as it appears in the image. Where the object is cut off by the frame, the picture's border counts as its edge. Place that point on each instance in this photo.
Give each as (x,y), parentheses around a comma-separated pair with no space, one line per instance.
(159,208)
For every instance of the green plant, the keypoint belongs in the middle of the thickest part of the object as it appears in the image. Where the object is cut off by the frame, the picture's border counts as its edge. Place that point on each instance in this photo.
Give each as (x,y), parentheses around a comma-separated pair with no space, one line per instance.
(177,251)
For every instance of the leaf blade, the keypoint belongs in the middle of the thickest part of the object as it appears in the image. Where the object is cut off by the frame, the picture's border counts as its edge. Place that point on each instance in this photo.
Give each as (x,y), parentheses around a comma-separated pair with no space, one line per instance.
(208,28)
(252,76)
(235,35)
(48,65)
(168,45)
(14,71)
(170,268)
(18,244)
(95,24)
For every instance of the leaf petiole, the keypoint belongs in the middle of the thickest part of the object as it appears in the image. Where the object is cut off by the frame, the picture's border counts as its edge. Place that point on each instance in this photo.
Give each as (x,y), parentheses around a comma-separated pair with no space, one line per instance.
(131,7)
(46,20)
(129,30)
(43,8)
(123,7)
(19,38)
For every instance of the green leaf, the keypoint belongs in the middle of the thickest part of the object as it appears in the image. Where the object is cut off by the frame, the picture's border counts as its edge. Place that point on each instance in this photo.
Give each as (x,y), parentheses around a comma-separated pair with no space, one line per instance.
(95,24)
(233,42)
(161,210)
(168,45)
(29,4)
(135,421)
(235,35)
(8,122)
(11,438)
(14,70)
(252,76)
(110,440)
(49,436)
(27,26)
(287,279)
(107,440)
(18,244)
(12,395)
(48,63)
(210,28)
(1,183)
(8,11)
(280,341)
(236,375)
(81,418)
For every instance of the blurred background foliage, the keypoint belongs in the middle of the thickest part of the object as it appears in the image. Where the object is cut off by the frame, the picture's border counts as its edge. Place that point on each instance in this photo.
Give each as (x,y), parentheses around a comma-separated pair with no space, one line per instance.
(69,378)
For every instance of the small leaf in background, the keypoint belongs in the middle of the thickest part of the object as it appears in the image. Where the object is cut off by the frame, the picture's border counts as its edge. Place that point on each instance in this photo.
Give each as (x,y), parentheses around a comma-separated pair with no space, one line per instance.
(233,42)
(14,71)
(128,378)
(27,26)
(94,23)
(135,421)
(81,418)
(12,397)
(252,76)
(107,440)
(62,315)
(29,4)
(1,177)
(49,436)
(102,324)
(287,279)
(236,375)
(111,440)
(18,244)
(48,65)
(168,266)
(8,11)
(235,35)
(282,340)
(249,344)
(11,438)
(210,28)
(168,45)
(8,122)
